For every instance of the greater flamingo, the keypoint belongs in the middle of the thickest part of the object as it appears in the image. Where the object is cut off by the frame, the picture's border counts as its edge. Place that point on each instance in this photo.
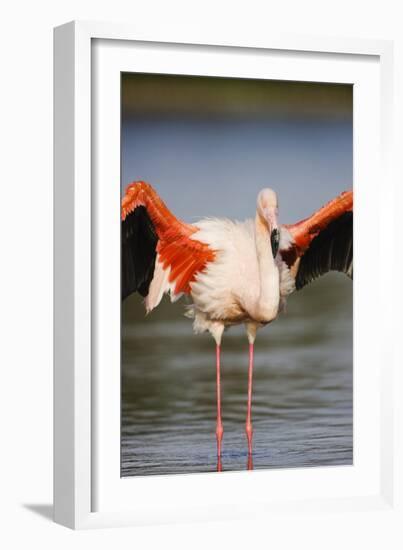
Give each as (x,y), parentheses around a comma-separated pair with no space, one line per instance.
(234,272)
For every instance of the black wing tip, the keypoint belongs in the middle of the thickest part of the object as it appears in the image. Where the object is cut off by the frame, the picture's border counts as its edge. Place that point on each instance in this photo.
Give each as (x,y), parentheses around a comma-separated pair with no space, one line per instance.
(138,247)
(331,250)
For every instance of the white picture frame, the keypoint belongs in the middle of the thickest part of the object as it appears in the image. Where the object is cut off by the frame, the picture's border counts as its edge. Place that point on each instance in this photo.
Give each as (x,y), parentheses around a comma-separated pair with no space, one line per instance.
(88,491)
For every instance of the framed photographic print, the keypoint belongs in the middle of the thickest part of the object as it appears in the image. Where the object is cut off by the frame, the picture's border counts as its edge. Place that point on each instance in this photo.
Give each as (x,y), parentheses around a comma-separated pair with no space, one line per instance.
(212,354)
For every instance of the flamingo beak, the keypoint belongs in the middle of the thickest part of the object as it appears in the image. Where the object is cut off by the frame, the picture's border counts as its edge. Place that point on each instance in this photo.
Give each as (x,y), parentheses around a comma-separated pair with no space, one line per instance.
(275,241)
(271,216)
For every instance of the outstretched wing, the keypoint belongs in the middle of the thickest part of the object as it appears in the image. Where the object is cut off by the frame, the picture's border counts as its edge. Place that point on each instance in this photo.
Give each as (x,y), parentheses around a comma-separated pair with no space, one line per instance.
(321,243)
(153,238)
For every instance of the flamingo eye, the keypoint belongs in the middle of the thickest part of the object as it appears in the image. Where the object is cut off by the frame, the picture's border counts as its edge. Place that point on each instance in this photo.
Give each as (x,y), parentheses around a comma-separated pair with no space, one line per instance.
(275,241)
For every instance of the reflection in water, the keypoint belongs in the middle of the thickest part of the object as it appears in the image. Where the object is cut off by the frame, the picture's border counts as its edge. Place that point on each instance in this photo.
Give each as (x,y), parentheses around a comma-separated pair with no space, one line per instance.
(249,463)
(302,395)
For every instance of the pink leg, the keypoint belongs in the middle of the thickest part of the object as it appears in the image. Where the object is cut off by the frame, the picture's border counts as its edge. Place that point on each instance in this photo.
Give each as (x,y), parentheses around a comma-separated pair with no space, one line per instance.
(219,429)
(249,430)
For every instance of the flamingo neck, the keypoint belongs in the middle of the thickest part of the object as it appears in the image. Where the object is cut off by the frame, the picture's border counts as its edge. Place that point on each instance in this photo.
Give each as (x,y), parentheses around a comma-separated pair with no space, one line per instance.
(269,295)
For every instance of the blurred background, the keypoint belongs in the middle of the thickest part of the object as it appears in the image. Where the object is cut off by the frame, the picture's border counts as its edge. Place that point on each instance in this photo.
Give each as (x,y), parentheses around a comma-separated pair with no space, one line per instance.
(208,145)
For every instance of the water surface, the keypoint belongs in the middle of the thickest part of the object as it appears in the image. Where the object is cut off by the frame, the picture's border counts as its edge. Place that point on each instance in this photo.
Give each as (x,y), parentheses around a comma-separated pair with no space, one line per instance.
(302,398)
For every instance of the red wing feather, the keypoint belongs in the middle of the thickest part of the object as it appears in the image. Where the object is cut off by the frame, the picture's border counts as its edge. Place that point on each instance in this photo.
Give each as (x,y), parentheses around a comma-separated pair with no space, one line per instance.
(304,231)
(177,250)
(322,243)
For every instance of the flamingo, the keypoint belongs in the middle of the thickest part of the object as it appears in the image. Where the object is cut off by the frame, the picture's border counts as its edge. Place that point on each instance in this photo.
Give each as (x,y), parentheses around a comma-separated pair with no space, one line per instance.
(234,272)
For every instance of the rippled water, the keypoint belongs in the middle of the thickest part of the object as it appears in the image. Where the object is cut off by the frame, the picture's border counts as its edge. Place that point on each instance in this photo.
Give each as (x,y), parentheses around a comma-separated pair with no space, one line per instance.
(302,399)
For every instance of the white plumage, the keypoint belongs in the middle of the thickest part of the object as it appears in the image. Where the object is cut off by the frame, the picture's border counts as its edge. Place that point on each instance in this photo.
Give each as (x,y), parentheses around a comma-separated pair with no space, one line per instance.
(245,283)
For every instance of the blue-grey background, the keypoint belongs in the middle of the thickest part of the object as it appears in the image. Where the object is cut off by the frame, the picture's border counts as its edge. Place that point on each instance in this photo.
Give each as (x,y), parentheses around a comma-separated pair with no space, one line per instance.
(208,145)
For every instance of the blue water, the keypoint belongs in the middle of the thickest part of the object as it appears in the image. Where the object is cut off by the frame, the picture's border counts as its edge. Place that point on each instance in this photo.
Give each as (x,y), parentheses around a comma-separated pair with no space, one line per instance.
(302,402)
